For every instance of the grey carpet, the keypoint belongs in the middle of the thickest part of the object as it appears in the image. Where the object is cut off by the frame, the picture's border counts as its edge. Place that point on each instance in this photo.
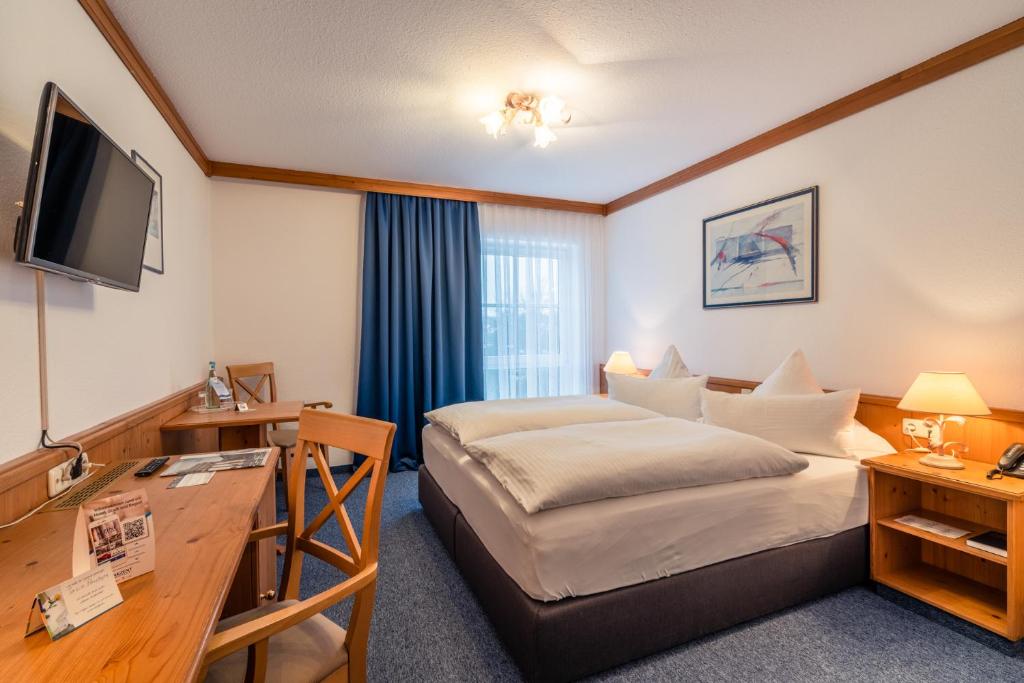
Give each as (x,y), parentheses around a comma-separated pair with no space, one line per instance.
(427,625)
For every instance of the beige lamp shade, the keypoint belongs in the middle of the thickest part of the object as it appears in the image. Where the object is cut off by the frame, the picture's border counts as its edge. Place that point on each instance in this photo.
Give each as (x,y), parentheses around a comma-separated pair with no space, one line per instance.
(944,393)
(620,363)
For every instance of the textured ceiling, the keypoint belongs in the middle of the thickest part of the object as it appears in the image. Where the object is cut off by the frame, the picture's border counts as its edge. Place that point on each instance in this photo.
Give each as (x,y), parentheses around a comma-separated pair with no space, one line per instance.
(393,90)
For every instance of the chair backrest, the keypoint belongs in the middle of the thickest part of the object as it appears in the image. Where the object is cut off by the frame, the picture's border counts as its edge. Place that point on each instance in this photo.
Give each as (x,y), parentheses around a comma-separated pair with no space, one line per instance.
(372,439)
(252,382)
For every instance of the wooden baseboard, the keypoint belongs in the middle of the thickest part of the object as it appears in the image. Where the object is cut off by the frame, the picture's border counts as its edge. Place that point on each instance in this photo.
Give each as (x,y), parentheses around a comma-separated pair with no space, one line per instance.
(134,435)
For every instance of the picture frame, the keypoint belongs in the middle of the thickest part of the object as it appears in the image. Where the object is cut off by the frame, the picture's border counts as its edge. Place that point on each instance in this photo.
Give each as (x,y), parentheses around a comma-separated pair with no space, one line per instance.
(153,259)
(762,254)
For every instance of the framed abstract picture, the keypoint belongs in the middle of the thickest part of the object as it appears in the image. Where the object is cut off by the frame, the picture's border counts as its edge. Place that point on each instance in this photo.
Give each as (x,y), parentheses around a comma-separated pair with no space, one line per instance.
(765,253)
(154,254)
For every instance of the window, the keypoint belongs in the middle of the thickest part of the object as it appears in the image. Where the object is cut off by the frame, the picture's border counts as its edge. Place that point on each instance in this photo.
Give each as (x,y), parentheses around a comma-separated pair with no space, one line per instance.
(537,304)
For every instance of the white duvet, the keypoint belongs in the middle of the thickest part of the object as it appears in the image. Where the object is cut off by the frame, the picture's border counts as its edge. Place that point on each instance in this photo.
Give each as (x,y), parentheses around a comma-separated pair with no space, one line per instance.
(476,420)
(555,467)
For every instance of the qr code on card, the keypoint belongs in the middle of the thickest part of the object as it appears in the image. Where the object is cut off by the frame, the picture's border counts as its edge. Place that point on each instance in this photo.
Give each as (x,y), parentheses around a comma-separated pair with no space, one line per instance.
(134,529)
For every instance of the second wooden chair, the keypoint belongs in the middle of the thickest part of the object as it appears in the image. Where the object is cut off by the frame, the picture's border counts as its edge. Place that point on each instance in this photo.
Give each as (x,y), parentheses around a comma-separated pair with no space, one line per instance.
(258,382)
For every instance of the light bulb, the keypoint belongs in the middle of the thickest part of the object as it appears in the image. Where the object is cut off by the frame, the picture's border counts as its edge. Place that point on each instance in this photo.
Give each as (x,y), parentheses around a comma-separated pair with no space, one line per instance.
(493,124)
(551,109)
(542,136)
(524,117)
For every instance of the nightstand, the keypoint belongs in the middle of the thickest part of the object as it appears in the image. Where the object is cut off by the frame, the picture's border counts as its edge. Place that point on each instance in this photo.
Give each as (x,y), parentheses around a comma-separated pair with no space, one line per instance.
(978,586)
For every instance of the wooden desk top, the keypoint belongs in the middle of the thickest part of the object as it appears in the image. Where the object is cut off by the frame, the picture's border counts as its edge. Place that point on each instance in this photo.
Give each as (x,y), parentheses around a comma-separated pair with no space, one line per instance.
(258,413)
(971,478)
(160,630)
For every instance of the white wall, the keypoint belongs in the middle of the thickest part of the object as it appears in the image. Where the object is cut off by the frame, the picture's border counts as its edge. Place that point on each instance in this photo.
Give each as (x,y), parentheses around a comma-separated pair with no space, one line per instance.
(286,285)
(921,248)
(109,351)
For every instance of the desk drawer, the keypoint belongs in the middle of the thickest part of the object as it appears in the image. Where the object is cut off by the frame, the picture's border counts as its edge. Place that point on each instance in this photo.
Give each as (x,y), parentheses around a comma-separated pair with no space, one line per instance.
(256,578)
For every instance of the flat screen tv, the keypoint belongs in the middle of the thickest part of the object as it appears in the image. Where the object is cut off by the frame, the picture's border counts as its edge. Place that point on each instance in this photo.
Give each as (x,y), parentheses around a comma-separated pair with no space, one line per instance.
(87,204)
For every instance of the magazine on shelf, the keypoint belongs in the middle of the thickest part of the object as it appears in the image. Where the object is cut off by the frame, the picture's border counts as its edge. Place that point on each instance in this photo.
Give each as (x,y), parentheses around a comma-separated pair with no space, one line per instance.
(218,462)
(932,526)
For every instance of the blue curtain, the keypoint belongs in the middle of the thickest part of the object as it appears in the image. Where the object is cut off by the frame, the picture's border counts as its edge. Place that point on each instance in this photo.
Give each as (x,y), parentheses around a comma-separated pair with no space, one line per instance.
(422,333)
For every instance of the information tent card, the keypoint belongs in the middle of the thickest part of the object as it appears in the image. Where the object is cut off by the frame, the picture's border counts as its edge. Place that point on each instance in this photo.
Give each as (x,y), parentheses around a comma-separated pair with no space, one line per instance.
(72,603)
(116,531)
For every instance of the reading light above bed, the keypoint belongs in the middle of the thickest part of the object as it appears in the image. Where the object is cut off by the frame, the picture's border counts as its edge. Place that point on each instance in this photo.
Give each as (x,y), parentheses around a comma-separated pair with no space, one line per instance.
(951,395)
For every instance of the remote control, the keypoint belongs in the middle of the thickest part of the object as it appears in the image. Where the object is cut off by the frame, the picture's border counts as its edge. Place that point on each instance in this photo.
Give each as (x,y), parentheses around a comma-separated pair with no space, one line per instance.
(150,467)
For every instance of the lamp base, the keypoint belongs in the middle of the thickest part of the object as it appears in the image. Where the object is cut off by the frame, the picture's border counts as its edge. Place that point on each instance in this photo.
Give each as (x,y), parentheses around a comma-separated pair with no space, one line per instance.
(946,462)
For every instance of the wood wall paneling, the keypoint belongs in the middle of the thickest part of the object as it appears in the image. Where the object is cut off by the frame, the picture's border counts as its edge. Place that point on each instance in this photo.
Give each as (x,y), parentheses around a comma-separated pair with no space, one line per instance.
(132,436)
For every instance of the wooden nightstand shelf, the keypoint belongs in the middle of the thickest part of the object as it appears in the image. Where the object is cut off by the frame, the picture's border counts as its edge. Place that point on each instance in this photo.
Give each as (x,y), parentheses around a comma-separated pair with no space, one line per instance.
(980,587)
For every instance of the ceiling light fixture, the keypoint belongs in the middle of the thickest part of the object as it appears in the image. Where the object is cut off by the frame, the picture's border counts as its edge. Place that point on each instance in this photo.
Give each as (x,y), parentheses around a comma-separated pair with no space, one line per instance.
(540,112)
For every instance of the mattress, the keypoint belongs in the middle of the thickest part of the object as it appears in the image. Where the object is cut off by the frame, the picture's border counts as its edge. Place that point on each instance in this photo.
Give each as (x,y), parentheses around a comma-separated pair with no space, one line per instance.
(602,545)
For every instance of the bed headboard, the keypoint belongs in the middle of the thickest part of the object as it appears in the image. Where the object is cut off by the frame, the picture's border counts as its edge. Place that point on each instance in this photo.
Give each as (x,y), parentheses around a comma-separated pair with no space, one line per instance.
(987,437)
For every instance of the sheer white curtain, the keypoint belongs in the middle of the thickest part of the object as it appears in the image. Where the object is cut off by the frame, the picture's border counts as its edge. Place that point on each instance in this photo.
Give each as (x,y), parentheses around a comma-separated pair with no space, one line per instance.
(543,299)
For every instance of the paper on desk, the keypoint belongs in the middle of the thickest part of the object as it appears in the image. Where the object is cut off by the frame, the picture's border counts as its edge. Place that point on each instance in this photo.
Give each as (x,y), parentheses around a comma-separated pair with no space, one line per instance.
(223,460)
(194,479)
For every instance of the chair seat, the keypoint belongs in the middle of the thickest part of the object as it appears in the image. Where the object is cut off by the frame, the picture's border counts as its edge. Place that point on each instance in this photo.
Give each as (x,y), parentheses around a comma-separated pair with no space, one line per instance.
(283,438)
(309,651)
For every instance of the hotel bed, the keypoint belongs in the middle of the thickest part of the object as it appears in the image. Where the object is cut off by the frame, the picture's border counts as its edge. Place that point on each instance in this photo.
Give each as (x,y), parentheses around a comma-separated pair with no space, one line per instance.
(602,545)
(580,588)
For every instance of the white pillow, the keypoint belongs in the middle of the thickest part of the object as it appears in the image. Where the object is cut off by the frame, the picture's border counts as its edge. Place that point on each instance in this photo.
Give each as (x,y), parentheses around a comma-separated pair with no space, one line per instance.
(793,376)
(860,442)
(678,397)
(805,424)
(671,366)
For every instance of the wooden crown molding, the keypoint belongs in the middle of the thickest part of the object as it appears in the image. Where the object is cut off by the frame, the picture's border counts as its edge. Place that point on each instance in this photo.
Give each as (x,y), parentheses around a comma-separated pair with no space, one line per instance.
(116,36)
(282,175)
(112,30)
(975,51)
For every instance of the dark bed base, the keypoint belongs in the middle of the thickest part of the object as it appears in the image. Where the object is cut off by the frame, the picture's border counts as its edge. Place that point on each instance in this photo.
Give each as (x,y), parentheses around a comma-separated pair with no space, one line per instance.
(574,637)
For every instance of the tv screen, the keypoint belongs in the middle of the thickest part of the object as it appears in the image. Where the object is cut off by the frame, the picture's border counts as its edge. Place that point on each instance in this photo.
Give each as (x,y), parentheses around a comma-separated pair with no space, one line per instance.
(87,204)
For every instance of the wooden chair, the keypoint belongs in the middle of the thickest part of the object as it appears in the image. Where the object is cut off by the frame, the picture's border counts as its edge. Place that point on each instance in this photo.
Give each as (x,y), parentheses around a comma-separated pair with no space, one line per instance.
(290,639)
(241,378)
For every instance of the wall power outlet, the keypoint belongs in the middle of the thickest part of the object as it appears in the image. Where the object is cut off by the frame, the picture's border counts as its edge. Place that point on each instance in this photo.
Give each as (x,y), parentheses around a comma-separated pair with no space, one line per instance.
(58,479)
(918,428)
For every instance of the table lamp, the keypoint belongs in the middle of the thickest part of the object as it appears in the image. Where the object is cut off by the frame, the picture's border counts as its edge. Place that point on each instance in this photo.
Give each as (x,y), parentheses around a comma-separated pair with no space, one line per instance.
(620,363)
(951,395)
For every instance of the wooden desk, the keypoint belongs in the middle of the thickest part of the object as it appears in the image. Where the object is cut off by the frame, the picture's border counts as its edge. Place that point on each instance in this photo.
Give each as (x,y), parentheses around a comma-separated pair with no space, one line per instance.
(160,630)
(238,429)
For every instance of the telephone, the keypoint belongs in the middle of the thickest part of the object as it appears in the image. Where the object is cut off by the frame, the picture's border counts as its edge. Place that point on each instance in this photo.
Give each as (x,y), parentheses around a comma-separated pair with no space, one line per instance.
(1011,463)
